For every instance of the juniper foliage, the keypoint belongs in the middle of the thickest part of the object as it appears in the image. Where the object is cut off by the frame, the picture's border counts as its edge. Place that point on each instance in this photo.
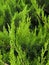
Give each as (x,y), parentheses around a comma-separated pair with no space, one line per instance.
(24,32)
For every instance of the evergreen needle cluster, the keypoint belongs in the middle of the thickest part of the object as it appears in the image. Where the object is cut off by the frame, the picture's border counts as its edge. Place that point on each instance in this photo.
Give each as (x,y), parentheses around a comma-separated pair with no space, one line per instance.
(24,32)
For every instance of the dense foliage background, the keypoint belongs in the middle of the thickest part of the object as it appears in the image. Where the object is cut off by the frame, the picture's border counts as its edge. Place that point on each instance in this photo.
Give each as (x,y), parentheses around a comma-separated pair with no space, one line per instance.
(24,32)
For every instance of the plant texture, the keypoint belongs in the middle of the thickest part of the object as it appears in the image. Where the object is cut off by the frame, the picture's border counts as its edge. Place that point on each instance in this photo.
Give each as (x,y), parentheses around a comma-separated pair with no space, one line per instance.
(24,32)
